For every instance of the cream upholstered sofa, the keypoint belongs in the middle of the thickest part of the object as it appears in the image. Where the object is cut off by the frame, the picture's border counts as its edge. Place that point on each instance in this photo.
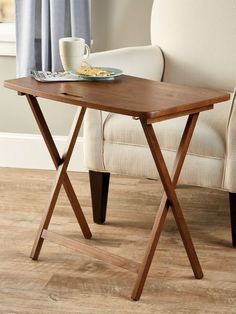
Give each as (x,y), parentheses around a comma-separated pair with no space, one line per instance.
(193,43)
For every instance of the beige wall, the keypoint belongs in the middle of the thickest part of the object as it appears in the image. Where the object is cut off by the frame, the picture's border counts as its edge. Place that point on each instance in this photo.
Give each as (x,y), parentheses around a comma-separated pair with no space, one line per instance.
(15,114)
(115,24)
(120,23)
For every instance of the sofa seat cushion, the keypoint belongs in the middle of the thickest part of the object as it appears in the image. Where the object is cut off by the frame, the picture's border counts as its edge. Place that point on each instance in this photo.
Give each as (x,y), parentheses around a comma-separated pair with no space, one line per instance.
(208,139)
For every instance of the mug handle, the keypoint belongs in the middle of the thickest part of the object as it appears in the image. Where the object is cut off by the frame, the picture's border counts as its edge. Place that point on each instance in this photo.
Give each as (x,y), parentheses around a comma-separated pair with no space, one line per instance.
(87,52)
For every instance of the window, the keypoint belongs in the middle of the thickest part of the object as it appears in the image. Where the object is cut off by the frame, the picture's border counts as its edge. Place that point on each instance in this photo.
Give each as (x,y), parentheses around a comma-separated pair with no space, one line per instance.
(7,28)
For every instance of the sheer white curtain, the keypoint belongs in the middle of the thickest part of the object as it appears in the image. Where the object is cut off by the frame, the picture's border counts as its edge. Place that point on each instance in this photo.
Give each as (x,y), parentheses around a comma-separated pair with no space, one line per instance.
(40,24)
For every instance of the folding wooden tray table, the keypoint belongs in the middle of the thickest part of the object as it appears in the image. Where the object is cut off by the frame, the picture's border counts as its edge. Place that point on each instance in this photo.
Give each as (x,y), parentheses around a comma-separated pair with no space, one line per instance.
(147,101)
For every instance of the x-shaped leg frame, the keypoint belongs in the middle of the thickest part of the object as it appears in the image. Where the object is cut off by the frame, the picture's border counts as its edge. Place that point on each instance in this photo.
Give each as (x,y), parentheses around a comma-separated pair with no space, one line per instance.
(61,165)
(169,199)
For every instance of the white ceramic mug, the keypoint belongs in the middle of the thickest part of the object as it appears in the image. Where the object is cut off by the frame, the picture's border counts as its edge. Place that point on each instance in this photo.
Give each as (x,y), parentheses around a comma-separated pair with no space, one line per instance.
(72,53)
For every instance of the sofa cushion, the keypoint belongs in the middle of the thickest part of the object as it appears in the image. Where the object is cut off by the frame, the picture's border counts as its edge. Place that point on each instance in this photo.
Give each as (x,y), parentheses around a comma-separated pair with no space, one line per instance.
(198,40)
(208,139)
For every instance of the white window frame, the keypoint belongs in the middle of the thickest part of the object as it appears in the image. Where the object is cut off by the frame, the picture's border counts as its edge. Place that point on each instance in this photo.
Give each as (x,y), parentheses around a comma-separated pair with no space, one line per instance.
(7,39)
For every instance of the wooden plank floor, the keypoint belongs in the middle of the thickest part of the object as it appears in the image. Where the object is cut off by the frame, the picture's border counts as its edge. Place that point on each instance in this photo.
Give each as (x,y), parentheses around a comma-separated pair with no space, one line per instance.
(64,281)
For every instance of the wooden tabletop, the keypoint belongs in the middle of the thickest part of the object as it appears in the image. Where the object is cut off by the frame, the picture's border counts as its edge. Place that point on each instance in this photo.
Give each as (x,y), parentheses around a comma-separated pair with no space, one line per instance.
(126,95)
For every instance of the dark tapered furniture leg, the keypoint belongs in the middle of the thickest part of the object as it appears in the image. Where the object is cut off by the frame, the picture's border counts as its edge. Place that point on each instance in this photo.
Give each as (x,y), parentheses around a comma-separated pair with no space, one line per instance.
(232,205)
(99,184)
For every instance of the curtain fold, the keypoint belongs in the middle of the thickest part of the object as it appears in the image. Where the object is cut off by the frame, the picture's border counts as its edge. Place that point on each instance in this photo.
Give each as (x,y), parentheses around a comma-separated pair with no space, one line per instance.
(39,26)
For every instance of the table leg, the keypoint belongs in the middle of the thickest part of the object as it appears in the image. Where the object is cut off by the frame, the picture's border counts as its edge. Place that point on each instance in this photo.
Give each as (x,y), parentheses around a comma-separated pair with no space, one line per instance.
(62,177)
(57,161)
(168,199)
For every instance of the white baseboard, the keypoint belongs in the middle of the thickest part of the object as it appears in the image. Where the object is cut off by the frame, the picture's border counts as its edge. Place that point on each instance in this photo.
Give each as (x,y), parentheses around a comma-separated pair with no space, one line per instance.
(29,151)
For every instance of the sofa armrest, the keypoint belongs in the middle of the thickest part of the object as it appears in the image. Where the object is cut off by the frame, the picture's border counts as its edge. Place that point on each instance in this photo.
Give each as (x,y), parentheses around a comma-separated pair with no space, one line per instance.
(230,163)
(145,62)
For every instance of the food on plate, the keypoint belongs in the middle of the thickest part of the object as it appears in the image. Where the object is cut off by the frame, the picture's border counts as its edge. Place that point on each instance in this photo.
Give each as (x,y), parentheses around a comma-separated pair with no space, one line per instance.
(93,71)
